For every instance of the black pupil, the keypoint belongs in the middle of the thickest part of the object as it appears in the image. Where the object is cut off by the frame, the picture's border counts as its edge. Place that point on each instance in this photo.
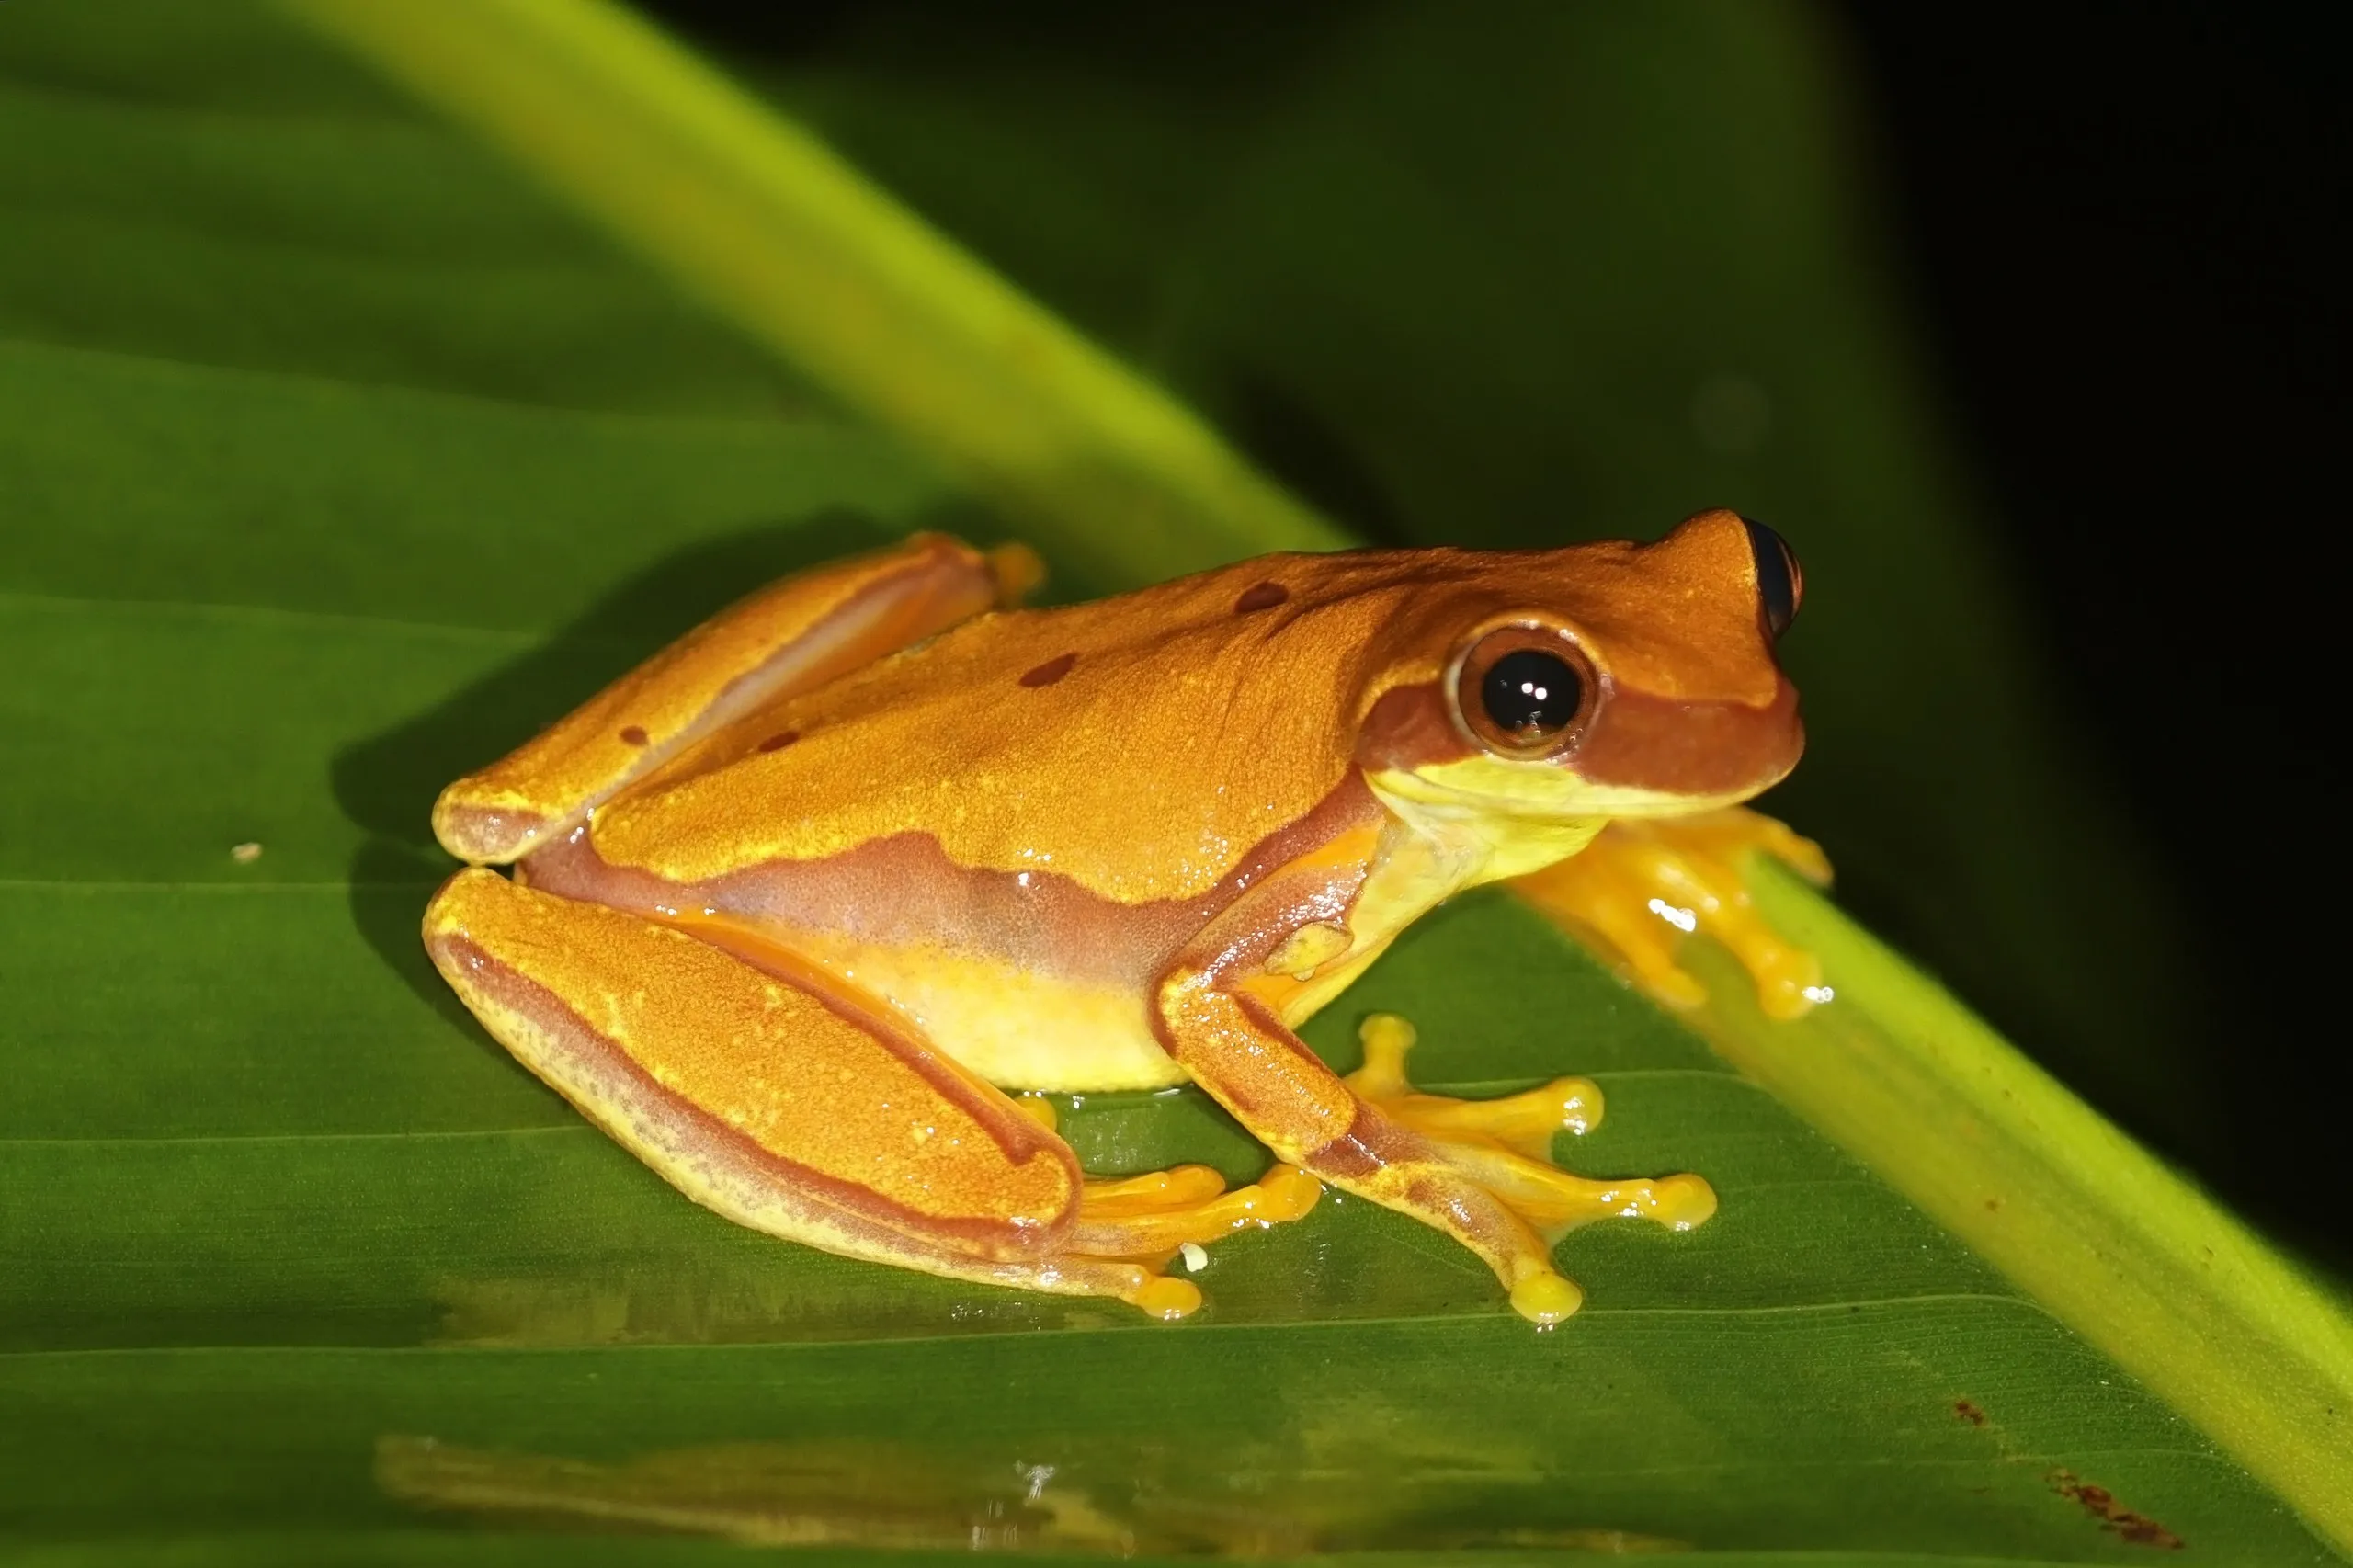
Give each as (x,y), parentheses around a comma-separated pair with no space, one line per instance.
(1531,694)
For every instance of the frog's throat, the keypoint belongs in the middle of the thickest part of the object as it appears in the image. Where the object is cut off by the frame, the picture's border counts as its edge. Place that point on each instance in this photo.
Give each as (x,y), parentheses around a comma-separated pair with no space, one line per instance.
(1517,817)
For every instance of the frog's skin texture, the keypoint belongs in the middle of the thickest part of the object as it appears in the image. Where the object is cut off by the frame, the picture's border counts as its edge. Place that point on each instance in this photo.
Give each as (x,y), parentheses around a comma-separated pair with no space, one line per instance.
(798,901)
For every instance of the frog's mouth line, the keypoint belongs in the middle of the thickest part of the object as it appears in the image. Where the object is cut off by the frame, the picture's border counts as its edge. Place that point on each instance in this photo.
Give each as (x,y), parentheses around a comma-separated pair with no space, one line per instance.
(1536,795)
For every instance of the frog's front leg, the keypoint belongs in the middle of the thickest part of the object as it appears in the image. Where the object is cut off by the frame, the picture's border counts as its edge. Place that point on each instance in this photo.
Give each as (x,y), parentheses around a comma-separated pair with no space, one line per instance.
(805,1111)
(1641,886)
(1472,1169)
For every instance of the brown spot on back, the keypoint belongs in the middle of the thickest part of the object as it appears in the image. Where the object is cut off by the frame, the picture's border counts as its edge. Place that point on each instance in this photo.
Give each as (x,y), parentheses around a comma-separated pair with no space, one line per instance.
(1052,670)
(779,742)
(1967,1410)
(634,734)
(1264,596)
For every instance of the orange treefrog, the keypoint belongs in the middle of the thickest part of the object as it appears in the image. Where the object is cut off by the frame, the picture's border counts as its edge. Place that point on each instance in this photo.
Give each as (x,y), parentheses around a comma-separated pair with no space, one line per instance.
(799,900)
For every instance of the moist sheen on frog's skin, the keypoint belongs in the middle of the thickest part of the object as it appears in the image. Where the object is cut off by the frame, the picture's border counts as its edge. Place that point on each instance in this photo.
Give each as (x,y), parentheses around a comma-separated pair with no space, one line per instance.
(828,915)
(989,910)
(946,740)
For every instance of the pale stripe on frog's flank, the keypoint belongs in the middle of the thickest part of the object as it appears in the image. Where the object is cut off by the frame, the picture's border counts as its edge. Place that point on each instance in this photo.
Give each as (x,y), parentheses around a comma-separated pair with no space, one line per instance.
(763,223)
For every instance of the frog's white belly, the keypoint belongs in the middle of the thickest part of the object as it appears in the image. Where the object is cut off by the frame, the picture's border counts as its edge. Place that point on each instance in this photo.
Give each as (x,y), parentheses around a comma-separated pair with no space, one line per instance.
(1015,1028)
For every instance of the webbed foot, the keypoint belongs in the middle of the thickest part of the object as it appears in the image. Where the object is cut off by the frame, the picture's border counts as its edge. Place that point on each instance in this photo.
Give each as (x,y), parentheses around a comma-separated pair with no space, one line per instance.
(1643,886)
(1505,1144)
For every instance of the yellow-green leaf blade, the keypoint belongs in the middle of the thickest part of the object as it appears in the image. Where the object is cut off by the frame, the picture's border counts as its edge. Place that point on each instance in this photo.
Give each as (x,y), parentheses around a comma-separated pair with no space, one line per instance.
(759,218)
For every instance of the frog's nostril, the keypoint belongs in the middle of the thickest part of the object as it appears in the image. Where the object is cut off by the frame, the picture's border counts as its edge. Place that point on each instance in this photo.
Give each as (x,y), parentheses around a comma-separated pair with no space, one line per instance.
(1781,585)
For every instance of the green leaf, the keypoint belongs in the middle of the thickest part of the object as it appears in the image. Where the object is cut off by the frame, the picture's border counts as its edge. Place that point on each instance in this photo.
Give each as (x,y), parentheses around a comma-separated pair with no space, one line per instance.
(334,459)
(775,230)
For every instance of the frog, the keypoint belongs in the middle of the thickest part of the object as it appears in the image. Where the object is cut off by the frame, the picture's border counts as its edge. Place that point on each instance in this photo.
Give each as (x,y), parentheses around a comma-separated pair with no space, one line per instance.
(815,909)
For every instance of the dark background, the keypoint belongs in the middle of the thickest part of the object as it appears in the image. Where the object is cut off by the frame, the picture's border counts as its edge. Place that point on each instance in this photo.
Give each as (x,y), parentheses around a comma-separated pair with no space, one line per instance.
(2121,232)
(2126,233)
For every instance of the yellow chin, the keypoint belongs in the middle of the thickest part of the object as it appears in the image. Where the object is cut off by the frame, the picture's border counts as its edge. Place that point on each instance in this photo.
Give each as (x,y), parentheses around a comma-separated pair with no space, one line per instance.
(1526,815)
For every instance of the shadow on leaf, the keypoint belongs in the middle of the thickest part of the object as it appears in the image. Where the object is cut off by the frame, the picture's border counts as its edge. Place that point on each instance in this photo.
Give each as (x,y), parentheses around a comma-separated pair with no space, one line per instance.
(386,783)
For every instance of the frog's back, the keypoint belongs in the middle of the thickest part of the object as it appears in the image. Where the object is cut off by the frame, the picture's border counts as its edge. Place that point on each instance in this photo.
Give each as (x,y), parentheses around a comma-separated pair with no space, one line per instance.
(1138,746)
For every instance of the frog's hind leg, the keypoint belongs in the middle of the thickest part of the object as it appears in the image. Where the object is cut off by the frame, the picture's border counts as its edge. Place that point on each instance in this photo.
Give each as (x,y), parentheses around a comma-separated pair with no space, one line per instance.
(1156,1215)
(799,1113)
(794,635)
(1153,1216)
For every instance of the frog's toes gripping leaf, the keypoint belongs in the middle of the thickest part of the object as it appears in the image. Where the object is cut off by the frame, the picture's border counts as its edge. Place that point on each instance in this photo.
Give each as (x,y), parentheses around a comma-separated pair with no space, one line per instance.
(1506,1146)
(1643,886)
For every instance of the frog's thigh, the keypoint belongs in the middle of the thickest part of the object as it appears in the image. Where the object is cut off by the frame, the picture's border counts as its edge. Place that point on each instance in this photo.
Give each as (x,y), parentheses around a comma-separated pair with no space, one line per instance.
(794,635)
(1157,1214)
(791,1113)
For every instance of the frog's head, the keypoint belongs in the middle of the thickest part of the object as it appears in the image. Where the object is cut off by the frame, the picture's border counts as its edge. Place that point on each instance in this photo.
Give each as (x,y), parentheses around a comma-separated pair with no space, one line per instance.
(1603,680)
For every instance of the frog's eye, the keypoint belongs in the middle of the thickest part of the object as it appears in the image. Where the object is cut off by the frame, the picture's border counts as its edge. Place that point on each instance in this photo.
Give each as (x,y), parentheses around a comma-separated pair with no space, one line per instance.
(1524,691)
(1781,585)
